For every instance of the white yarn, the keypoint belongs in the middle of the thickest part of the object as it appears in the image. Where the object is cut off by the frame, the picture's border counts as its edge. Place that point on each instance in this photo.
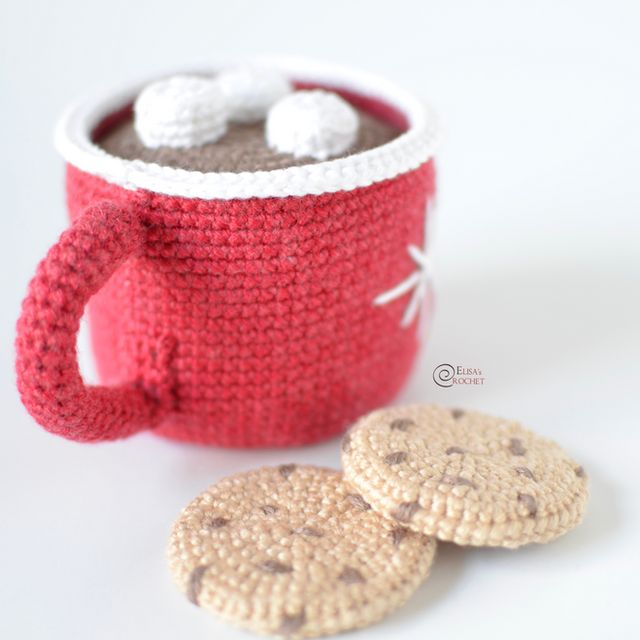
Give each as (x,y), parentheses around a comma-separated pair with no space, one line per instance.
(181,111)
(406,152)
(314,123)
(419,280)
(251,90)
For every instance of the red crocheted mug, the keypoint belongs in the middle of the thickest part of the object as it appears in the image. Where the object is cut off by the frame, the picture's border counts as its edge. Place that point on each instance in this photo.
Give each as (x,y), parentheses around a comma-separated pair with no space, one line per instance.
(248,309)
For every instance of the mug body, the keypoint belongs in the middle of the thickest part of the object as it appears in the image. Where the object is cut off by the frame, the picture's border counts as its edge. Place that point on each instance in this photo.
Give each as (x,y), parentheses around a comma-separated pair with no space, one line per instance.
(264,303)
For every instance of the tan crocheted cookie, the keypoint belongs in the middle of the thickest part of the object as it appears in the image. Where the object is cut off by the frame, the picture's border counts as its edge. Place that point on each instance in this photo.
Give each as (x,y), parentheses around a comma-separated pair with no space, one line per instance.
(292,551)
(463,476)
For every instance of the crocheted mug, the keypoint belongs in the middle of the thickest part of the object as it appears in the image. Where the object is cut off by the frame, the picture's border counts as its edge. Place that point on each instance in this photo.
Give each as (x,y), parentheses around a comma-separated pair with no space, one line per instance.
(248,309)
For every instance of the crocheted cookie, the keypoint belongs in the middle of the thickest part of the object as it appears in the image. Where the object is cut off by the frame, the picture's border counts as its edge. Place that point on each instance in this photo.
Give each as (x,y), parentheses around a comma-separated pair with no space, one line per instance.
(463,476)
(292,551)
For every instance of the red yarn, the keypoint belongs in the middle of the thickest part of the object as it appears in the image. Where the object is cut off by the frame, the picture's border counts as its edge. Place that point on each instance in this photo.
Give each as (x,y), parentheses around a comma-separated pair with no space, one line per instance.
(240,322)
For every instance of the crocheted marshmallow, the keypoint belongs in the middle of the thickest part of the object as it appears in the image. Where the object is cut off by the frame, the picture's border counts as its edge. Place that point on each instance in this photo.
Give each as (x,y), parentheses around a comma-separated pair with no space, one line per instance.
(181,111)
(407,152)
(314,123)
(251,90)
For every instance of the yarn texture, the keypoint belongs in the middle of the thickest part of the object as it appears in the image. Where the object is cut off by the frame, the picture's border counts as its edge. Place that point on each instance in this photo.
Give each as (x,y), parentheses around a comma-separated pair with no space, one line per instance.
(232,309)
(314,123)
(78,127)
(463,476)
(239,323)
(181,111)
(48,377)
(291,551)
(242,149)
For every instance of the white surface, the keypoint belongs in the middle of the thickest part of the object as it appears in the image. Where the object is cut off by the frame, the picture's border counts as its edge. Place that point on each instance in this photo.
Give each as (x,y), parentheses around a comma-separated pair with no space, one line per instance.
(536,260)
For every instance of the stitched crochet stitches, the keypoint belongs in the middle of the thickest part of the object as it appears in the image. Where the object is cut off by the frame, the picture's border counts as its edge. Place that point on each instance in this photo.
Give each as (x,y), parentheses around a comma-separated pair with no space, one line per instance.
(242,323)
(288,551)
(48,377)
(236,308)
(317,124)
(372,93)
(242,148)
(463,476)
(181,111)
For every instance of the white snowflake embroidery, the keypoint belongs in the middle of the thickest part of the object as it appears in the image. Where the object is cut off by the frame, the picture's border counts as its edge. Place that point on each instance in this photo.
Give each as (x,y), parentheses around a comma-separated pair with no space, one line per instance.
(419,281)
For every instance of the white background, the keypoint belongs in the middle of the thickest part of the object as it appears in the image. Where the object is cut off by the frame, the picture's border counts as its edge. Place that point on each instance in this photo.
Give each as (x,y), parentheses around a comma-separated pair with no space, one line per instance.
(536,258)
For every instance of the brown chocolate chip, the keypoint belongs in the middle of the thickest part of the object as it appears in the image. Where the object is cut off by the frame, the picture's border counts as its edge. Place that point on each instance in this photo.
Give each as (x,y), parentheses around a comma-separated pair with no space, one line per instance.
(395,458)
(195,583)
(308,531)
(217,523)
(268,509)
(273,566)
(457,413)
(358,501)
(452,450)
(291,624)
(457,481)
(286,470)
(398,535)
(516,447)
(401,424)
(529,502)
(405,511)
(346,443)
(580,472)
(349,575)
(524,471)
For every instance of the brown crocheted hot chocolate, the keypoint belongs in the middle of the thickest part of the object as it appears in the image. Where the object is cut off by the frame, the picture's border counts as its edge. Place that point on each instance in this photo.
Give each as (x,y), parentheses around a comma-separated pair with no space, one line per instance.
(242,148)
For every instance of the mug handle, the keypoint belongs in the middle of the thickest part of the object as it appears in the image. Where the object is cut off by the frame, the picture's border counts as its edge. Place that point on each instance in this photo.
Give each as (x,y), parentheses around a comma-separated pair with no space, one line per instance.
(51,387)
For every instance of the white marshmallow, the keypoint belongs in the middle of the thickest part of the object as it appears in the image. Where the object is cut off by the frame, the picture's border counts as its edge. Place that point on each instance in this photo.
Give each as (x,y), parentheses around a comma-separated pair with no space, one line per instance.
(313,123)
(181,111)
(250,91)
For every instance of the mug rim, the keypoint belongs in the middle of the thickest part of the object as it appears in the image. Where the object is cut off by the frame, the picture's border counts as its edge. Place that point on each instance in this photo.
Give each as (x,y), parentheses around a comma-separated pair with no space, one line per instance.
(409,150)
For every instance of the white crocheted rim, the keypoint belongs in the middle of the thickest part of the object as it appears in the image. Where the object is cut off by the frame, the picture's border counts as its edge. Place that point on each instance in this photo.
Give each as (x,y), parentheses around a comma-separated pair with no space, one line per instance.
(405,153)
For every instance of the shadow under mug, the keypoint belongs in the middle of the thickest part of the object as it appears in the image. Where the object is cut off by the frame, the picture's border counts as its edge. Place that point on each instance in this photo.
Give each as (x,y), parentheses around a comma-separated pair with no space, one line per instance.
(249,309)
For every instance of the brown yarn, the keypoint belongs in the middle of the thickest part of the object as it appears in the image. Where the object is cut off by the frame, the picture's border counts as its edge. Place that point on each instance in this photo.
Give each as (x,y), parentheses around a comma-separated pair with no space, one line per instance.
(242,148)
